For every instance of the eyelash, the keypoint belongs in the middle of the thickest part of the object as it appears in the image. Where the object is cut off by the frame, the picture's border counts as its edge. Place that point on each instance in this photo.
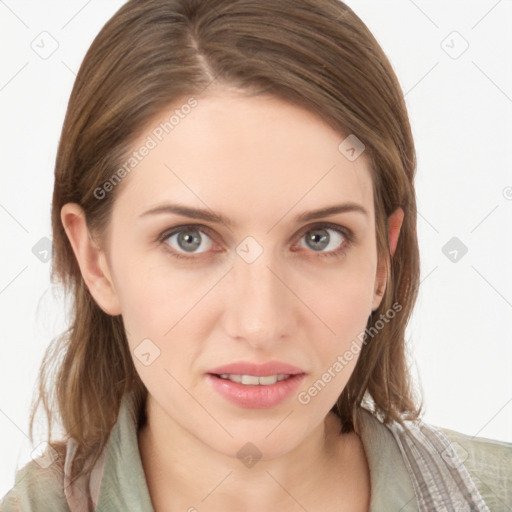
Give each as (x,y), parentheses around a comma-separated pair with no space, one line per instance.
(345,232)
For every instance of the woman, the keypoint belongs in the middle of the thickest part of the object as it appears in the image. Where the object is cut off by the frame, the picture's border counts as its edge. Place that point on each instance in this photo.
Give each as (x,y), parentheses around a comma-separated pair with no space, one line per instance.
(234,215)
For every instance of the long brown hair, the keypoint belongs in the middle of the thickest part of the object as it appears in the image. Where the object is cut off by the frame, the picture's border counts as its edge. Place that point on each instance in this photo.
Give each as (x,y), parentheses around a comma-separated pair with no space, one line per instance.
(314,53)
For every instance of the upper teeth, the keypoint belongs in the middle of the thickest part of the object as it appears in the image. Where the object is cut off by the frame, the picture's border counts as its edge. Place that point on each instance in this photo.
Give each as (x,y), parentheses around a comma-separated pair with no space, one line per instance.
(252,380)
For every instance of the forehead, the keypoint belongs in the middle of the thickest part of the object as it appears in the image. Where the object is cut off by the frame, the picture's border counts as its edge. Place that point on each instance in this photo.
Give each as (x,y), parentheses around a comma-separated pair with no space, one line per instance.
(242,156)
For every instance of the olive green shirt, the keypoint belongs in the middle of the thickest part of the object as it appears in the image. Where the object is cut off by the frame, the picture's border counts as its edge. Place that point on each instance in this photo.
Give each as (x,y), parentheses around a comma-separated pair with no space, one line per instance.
(117,482)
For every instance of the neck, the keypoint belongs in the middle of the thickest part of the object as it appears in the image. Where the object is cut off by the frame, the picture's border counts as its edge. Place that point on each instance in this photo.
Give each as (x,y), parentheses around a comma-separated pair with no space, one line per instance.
(184,473)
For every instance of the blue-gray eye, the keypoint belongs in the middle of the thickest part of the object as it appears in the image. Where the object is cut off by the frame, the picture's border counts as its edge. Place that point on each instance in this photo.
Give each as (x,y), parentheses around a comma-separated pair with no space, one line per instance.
(189,240)
(319,238)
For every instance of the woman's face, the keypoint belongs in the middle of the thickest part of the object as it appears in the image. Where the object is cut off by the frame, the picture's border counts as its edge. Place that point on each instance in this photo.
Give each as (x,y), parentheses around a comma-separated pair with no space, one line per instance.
(276,288)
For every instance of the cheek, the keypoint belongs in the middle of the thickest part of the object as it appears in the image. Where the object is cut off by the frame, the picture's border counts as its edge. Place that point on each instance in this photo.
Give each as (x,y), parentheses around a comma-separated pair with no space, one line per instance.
(153,295)
(348,305)
(344,306)
(163,315)
(347,317)
(156,313)
(345,297)
(343,301)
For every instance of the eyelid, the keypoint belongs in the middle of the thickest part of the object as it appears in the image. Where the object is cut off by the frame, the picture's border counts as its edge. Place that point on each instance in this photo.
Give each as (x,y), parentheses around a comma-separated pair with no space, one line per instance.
(182,227)
(348,233)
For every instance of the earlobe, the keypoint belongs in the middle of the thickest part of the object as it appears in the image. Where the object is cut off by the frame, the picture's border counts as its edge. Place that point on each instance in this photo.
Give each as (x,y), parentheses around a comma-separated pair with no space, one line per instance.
(395,221)
(91,259)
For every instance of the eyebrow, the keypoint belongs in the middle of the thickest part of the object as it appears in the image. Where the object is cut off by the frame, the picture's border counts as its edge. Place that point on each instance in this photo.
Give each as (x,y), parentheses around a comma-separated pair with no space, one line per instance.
(210,216)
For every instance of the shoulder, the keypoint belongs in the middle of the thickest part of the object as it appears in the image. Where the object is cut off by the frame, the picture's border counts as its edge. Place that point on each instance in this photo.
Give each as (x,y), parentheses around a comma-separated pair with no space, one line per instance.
(38,486)
(448,468)
(489,463)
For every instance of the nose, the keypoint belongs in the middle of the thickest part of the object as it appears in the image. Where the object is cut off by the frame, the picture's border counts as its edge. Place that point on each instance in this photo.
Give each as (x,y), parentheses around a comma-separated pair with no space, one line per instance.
(260,308)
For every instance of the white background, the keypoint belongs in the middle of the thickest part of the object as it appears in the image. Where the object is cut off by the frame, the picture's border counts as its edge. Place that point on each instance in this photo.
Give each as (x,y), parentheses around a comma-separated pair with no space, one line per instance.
(461,115)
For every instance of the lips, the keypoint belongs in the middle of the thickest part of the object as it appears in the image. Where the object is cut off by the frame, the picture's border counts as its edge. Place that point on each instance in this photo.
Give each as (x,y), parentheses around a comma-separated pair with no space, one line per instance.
(256,386)
(258,370)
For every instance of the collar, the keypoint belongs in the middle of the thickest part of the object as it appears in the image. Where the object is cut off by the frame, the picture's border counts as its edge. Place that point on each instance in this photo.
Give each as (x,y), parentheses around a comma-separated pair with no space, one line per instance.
(121,483)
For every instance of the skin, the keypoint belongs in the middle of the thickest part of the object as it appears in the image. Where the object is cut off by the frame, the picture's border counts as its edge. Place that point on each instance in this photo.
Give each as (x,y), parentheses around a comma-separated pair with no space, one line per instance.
(260,162)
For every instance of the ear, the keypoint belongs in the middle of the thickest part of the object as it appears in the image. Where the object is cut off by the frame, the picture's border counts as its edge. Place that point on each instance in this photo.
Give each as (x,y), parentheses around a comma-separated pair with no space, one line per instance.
(394,224)
(91,259)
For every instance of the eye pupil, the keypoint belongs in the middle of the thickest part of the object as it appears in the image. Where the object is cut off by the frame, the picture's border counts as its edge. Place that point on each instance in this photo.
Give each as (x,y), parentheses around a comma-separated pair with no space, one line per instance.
(316,238)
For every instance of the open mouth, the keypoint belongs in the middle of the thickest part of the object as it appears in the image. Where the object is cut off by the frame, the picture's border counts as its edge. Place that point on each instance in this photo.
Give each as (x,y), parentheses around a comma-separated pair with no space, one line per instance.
(253,380)
(256,385)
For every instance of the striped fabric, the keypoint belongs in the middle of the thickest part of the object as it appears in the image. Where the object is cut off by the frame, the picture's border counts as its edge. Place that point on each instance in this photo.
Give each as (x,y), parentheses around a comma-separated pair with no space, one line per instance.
(440,479)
